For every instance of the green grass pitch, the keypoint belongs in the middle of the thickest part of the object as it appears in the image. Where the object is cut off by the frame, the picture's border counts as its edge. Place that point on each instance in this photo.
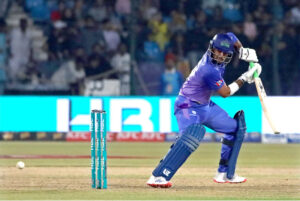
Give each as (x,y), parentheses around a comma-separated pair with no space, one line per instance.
(273,172)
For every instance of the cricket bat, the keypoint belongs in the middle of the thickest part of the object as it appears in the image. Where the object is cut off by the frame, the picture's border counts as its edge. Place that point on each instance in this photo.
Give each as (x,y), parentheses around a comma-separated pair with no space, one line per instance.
(262,97)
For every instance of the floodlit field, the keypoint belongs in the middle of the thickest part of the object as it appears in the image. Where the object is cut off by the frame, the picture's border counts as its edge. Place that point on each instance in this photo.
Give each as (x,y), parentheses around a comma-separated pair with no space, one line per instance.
(273,172)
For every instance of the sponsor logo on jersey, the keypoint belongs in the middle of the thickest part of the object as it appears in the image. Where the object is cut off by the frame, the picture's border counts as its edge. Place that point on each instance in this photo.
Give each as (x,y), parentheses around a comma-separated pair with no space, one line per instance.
(218,83)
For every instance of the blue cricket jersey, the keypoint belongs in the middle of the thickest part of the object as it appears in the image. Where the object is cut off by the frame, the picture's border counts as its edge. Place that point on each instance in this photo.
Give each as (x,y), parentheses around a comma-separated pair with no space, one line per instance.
(205,79)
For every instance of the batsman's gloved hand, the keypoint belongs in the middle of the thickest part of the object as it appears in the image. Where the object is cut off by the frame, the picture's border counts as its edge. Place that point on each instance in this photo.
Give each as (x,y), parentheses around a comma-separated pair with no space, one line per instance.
(248,54)
(248,76)
(258,68)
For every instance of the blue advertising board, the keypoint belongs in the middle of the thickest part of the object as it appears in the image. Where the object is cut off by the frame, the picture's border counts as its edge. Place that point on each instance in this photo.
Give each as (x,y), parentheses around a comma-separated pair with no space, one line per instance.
(135,113)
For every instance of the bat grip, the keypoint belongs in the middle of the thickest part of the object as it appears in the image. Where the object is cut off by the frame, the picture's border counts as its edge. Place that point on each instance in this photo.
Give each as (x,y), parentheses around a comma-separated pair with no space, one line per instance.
(255,75)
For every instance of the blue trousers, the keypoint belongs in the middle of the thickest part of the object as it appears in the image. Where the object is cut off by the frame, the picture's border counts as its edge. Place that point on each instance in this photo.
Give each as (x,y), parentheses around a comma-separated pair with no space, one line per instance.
(212,116)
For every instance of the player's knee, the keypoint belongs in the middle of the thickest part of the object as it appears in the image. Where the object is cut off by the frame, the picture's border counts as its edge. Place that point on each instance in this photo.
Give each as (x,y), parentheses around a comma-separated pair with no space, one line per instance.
(192,136)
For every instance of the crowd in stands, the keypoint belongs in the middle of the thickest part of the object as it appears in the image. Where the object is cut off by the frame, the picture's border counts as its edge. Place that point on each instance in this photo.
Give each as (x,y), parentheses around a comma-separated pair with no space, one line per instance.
(87,39)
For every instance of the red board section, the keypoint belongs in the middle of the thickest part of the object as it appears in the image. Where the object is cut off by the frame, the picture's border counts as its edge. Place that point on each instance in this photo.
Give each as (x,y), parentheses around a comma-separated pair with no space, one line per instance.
(78,136)
(119,137)
(140,137)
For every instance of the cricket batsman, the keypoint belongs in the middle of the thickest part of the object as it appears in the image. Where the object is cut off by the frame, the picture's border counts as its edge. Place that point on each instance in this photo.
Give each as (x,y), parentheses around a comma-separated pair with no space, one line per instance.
(194,110)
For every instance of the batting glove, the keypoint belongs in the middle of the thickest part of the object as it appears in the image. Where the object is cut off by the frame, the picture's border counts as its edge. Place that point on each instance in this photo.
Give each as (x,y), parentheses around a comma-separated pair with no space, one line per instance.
(248,54)
(248,76)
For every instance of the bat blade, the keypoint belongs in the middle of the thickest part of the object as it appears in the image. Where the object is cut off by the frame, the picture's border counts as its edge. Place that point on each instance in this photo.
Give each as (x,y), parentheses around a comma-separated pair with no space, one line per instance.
(262,97)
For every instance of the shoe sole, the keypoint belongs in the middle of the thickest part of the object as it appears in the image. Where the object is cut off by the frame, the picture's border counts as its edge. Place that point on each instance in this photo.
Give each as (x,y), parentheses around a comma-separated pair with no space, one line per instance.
(226,182)
(167,185)
(238,182)
(221,182)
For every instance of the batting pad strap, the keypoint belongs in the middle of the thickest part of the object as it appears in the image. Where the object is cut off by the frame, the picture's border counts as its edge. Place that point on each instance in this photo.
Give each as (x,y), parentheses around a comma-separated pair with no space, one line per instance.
(234,87)
(227,142)
(223,162)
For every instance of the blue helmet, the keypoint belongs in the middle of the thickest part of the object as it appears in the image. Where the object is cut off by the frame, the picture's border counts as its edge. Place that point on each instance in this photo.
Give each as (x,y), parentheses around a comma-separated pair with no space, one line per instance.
(224,43)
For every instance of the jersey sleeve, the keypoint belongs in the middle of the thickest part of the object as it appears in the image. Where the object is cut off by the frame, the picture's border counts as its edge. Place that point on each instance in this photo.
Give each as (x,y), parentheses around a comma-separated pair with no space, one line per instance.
(214,80)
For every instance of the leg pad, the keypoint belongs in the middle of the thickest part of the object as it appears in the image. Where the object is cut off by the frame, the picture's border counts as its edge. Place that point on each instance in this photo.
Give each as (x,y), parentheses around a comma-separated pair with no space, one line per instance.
(186,144)
(240,133)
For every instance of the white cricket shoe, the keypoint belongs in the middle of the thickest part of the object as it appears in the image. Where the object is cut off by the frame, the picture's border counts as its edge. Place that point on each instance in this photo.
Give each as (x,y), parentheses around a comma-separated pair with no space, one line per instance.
(237,179)
(221,177)
(158,182)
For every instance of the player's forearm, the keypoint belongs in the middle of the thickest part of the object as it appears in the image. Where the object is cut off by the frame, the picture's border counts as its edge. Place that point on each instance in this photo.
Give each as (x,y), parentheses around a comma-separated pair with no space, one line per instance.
(228,90)
(235,86)
(239,82)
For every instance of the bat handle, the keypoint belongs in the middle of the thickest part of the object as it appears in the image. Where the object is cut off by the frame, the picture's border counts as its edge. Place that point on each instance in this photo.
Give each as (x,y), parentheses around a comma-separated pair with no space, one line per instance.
(255,75)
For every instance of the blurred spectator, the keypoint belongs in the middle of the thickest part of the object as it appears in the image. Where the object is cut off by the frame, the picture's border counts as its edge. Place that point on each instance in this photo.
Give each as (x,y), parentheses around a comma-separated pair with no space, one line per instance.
(287,52)
(73,38)
(197,39)
(209,6)
(2,81)
(97,65)
(95,29)
(3,55)
(68,16)
(20,49)
(70,3)
(121,62)
(90,34)
(147,9)
(123,7)
(171,79)
(295,14)
(159,31)
(77,84)
(57,14)
(56,39)
(142,31)
(288,4)
(232,10)
(111,36)
(69,73)
(3,44)
(30,76)
(191,6)
(80,53)
(172,57)
(98,50)
(152,51)
(183,67)
(167,6)
(38,9)
(217,20)
(98,11)
(118,23)
(178,22)
(80,9)
(250,29)
(4,4)
(178,45)
(265,53)
(262,15)
(47,68)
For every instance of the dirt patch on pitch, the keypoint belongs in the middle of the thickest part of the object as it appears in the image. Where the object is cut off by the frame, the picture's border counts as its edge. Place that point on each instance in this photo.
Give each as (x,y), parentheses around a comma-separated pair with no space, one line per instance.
(59,178)
(262,182)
